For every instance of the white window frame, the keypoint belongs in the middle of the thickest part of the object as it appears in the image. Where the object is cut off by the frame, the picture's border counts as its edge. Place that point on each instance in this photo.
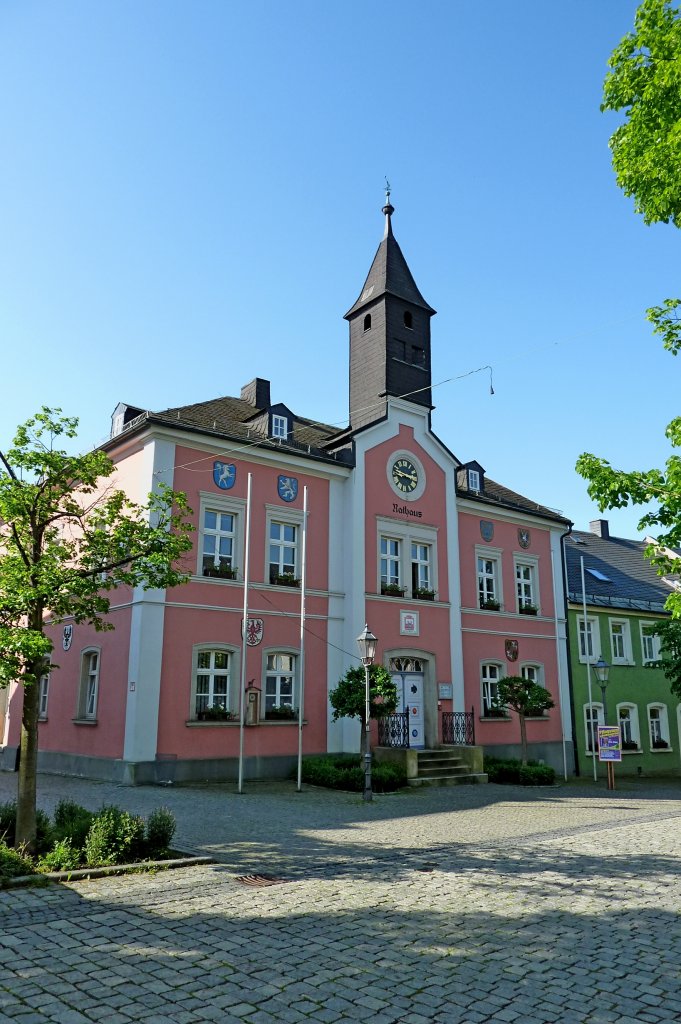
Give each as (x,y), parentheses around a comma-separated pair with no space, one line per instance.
(43,696)
(88,690)
(592,630)
(661,729)
(523,561)
(653,640)
(406,535)
(421,564)
(620,643)
(599,720)
(279,426)
(534,671)
(390,560)
(232,673)
(492,555)
(284,517)
(211,502)
(489,685)
(278,673)
(634,728)
(474,480)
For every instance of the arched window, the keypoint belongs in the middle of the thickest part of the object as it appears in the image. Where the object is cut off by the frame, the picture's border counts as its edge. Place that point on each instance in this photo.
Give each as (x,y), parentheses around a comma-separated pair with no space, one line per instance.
(211,677)
(280,698)
(627,718)
(88,692)
(367,322)
(658,727)
(593,717)
(408,323)
(490,674)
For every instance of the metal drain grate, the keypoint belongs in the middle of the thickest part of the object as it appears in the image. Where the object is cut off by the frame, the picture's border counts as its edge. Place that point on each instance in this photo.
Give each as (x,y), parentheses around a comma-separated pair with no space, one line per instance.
(260,881)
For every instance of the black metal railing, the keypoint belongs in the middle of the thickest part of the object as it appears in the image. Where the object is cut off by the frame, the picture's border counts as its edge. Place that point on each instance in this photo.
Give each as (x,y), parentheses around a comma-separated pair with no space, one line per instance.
(393,730)
(458,728)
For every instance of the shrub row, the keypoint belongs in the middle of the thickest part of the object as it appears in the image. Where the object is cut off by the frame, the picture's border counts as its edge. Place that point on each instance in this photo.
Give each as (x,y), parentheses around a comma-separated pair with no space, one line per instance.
(513,772)
(77,838)
(348,773)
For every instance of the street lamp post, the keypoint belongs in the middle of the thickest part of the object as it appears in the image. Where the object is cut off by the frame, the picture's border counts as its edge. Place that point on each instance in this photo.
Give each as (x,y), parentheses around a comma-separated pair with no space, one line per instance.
(602,670)
(367,642)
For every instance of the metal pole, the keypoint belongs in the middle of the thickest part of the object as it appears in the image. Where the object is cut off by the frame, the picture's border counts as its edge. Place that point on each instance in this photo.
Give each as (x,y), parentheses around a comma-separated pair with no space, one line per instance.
(244,644)
(594,732)
(301,675)
(367,795)
(605,706)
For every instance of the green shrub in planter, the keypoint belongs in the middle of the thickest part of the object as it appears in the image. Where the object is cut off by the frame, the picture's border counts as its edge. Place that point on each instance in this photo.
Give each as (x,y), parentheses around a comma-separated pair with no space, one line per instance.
(62,857)
(504,771)
(114,838)
(348,773)
(8,822)
(159,832)
(537,775)
(12,864)
(72,822)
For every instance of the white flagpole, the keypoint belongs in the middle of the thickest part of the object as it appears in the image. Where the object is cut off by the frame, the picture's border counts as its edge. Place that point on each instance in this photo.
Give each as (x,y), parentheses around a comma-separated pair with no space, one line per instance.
(303,580)
(594,732)
(244,646)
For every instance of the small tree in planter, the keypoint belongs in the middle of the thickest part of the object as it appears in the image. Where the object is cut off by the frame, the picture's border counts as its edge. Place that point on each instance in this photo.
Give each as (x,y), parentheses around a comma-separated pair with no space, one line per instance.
(524,697)
(348,700)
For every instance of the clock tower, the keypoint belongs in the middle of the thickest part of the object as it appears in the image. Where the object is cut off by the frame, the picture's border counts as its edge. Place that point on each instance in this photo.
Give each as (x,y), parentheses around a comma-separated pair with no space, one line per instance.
(389,336)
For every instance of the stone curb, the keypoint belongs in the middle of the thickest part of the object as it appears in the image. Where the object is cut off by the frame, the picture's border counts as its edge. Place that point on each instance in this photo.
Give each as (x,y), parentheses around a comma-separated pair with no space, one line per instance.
(83,874)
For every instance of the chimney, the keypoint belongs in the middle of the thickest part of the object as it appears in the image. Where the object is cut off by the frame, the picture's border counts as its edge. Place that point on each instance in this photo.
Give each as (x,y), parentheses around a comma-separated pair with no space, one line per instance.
(257,393)
(601,528)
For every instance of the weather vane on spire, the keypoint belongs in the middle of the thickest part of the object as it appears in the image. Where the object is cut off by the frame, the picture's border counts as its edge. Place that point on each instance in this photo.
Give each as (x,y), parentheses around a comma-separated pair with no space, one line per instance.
(387,191)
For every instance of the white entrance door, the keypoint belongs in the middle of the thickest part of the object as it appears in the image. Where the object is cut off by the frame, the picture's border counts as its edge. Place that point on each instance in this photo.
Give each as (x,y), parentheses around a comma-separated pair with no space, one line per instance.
(410,698)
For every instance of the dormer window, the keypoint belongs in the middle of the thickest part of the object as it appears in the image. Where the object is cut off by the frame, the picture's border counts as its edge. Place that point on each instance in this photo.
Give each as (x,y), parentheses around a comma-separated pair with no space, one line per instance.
(279,427)
(408,321)
(117,424)
(367,322)
(473,480)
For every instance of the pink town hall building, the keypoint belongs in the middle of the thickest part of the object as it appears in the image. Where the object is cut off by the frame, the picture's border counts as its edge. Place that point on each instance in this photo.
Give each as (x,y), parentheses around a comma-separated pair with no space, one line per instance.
(313,532)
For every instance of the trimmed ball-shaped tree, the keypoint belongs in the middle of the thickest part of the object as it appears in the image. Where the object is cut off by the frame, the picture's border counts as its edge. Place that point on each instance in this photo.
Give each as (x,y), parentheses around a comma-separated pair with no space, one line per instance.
(348,700)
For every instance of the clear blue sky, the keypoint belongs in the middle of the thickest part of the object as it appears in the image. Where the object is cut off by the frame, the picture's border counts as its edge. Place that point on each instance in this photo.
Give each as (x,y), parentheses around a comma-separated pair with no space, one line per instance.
(190,196)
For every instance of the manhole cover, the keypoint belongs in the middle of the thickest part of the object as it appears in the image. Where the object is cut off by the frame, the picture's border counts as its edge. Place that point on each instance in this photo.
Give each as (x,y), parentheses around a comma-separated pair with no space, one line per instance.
(259,881)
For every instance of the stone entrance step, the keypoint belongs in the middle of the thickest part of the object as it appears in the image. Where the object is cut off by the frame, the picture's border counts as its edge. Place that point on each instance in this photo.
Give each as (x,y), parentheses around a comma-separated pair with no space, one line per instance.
(442,768)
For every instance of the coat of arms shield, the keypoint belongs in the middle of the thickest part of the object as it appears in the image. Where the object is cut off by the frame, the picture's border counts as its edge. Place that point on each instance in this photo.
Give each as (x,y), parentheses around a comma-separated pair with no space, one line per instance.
(287,488)
(254,631)
(224,475)
(67,637)
(524,538)
(511,647)
(486,530)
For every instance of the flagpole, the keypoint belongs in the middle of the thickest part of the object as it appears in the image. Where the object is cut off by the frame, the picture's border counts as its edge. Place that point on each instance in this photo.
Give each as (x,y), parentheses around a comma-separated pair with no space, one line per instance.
(594,733)
(303,580)
(244,634)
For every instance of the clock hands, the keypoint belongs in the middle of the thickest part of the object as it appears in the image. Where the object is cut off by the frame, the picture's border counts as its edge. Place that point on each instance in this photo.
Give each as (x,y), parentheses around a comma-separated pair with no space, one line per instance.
(408,476)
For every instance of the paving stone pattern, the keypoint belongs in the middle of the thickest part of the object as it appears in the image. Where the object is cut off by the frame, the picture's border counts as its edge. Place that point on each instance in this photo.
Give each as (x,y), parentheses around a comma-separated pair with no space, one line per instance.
(490,904)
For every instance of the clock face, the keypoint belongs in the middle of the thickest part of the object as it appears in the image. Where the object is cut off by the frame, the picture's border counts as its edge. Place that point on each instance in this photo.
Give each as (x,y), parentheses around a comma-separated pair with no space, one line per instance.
(405,475)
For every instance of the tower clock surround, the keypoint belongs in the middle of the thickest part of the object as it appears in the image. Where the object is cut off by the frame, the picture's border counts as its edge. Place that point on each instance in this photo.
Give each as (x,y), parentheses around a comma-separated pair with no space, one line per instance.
(406,474)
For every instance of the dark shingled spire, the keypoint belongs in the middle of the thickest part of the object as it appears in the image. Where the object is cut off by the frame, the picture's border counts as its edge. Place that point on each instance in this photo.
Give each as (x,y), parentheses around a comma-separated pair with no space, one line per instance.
(389,273)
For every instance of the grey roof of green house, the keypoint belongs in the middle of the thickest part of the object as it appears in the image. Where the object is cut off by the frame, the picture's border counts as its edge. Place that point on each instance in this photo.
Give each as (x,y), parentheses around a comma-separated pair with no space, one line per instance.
(630,580)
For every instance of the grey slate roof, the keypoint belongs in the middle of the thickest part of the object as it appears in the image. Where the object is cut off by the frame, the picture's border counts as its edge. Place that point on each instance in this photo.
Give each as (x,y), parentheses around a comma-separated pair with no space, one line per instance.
(390,274)
(631,580)
(497,496)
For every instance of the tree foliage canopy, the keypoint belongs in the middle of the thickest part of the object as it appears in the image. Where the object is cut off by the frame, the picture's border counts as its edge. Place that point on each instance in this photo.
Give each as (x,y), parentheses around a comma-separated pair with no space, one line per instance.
(669,632)
(645,83)
(522,696)
(348,700)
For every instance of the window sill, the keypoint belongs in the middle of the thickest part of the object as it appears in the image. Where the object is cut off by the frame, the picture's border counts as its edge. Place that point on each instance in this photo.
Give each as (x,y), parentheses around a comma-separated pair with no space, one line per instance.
(662,750)
(494,718)
(629,753)
(194,723)
(537,718)
(84,721)
(214,579)
(42,718)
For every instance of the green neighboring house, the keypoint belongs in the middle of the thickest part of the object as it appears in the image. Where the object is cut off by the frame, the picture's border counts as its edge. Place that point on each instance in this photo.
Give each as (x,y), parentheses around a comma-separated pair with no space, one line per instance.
(624,594)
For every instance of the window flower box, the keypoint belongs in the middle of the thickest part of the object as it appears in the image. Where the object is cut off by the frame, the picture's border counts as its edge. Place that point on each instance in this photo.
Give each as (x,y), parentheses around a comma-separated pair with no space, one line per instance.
(286,579)
(423,594)
(216,714)
(490,606)
(495,713)
(629,745)
(528,609)
(283,713)
(392,590)
(220,572)
(660,745)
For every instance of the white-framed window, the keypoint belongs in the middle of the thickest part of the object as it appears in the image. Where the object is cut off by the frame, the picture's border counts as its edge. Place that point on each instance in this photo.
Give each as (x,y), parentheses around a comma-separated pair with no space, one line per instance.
(279,426)
(420,566)
(627,718)
(212,672)
(473,480)
(220,541)
(589,639)
(488,566)
(280,683)
(406,556)
(490,674)
(533,673)
(43,695)
(593,717)
(658,727)
(88,693)
(282,553)
(650,644)
(526,583)
(391,562)
(620,642)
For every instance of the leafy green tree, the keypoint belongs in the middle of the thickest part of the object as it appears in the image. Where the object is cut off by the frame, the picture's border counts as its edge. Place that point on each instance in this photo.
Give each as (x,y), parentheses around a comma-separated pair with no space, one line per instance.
(67,539)
(645,83)
(348,700)
(526,698)
(669,632)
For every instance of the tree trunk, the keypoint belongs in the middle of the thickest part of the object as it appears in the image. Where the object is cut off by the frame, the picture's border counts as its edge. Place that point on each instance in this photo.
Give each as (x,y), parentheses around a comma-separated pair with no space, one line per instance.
(523,738)
(28,765)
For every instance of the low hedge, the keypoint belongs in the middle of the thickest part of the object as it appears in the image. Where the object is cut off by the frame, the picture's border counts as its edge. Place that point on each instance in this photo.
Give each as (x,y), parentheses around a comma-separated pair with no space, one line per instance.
(512,772)
(348,773)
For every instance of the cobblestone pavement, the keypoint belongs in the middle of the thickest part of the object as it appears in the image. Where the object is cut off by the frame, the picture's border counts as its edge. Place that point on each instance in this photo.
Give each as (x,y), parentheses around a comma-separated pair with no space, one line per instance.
(480,904)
